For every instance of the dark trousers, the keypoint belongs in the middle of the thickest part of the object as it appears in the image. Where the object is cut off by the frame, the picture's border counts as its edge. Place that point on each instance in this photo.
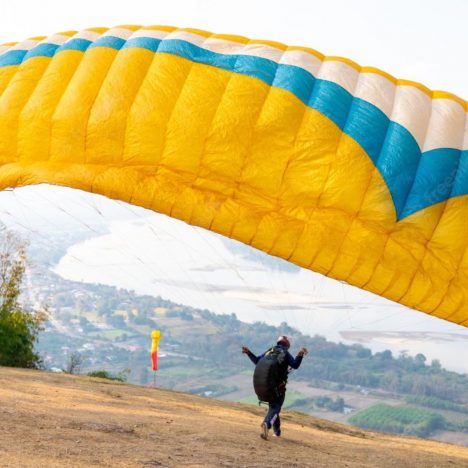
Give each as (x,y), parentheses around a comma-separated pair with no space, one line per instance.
(272,418)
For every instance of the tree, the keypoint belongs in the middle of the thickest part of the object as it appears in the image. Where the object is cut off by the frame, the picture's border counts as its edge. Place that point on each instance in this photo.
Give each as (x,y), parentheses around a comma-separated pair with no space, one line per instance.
(420,359)
(435,364)
(384,355)
(19,328)
(75,361)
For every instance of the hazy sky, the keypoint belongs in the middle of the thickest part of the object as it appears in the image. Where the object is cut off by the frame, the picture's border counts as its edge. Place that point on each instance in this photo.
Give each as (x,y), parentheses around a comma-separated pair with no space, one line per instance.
(422,40)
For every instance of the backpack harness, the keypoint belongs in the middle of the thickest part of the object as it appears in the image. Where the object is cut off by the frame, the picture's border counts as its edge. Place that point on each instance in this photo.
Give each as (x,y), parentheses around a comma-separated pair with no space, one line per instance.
(270,375)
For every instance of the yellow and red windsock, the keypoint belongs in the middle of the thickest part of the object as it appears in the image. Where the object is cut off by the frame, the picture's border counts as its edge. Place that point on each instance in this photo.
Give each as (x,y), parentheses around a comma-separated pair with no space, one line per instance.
(155,337)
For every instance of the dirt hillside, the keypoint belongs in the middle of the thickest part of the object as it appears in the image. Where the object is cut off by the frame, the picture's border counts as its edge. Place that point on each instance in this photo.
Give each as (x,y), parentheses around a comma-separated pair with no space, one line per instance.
(55,420)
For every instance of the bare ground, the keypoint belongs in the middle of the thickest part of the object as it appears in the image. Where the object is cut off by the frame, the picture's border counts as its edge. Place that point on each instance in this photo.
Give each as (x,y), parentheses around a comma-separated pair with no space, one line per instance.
(54,420)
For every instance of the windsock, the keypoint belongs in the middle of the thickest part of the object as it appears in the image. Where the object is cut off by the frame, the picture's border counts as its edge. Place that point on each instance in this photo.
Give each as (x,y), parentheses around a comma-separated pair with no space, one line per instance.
(155,336)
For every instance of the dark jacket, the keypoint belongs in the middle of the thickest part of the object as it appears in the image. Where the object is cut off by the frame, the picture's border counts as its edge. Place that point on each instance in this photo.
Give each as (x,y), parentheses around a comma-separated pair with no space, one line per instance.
(292,362)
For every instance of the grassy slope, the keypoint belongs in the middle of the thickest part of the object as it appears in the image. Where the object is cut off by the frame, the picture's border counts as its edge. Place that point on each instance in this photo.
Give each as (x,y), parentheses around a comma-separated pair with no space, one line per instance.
(58,420)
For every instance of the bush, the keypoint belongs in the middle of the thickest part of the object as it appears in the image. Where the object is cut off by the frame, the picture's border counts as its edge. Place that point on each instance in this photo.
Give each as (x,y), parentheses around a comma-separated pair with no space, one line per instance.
(19,328)
(122,376)
(329,404)
(18,335)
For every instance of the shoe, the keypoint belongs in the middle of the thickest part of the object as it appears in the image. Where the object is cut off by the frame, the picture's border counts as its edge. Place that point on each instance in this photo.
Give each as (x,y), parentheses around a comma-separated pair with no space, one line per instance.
(265,429)
(277,433)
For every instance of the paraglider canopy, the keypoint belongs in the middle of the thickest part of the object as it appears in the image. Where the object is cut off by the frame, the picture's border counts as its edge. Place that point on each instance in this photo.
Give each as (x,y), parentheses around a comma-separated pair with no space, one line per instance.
(338,168)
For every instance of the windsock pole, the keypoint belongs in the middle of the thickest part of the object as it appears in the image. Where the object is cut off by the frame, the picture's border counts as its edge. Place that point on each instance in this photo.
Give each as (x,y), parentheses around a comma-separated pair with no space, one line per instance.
(155,337)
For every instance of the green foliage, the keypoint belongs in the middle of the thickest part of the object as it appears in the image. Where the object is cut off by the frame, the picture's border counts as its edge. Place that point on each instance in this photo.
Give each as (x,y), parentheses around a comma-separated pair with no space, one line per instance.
(399,419)
(182,314)
(327,403)
(18,328)
(122,376)
(116,321)
(18,334)
(433,402)
(458,426)
(86,325)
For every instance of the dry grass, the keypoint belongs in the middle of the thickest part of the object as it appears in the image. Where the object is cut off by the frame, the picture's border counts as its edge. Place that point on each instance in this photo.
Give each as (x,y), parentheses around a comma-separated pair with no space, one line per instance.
(55,420)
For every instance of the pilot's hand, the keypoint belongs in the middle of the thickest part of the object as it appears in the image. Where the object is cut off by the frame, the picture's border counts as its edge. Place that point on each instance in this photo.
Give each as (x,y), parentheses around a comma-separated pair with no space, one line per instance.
(302,352)
(245,350)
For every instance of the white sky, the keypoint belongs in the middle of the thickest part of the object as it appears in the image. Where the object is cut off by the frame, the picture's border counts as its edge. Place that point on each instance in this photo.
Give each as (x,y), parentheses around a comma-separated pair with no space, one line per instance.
(421,40)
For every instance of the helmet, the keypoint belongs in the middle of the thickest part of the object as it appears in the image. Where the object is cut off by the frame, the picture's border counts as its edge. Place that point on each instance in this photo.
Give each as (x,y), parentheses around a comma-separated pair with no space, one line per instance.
(283,340)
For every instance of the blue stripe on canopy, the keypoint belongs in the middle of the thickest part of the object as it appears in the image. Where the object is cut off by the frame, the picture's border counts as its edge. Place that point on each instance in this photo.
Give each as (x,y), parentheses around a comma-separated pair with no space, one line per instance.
(109,41)
(75,44)
(12,57)
(415,180)
(42,50)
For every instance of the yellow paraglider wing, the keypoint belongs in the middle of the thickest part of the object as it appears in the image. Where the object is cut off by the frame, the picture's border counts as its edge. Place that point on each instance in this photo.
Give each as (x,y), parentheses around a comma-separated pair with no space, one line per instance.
(340,169)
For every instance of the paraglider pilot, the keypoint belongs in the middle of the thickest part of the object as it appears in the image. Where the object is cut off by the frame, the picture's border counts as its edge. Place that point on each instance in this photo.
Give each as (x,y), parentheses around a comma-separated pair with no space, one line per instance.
(270,378)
